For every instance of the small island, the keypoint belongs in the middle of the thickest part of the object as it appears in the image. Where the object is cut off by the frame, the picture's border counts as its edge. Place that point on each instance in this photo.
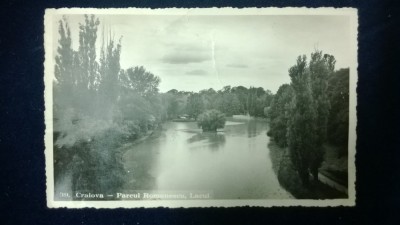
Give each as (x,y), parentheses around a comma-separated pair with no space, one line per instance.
(211,120)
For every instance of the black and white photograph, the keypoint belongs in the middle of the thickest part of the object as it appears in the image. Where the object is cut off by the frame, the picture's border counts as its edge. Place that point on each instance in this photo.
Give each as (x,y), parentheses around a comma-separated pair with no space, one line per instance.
(200,107)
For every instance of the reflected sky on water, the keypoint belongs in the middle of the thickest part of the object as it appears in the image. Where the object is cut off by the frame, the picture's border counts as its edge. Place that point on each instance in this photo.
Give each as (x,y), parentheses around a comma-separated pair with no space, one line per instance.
(233,163)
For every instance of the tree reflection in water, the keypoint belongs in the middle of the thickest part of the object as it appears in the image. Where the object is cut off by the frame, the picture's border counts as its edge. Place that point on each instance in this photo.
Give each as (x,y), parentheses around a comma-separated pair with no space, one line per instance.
(211,140)
(254,128)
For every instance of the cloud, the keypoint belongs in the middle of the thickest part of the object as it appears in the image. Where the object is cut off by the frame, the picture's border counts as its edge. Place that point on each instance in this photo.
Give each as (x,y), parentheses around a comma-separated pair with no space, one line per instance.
(196,72)
(237,65)
(186,52)
(185,58)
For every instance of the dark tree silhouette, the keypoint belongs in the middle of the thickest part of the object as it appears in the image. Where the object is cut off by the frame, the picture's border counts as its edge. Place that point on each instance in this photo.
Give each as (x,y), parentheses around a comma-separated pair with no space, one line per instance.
(302,122)
(279,114)
(321,67)
(338,122)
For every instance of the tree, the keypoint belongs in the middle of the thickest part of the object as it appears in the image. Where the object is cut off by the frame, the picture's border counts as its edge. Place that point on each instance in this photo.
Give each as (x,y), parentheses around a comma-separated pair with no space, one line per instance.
(268,98)
(242,95)
(174,103)
(338,123)
(140,104)
(141,81)
(228,103)
(302,122)
(225,89)
(194,105)
(321,68)
(109,72)
(209,97)
(211,120)
(172,106)
(64,85)
(172,91)
(261,103)
(75,71)
(255,101)
(87,53)
(309,112)
(64,61)
(85,66)
(279,114)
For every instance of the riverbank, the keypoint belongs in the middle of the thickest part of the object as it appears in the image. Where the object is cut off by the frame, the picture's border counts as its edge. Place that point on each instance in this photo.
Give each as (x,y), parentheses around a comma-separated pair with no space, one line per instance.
(288,178)
(96,164)
(137,161)
(153,134)
(183,120)
(335,165)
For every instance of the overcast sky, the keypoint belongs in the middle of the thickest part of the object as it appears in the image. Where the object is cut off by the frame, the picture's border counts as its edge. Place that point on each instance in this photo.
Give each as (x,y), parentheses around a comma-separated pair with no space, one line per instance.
(192,53)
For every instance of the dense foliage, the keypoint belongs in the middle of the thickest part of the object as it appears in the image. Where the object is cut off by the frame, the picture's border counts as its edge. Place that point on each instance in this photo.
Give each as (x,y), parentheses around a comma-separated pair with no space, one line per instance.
(211,120)
(230,101)
(98,106)
(338,122)
(279,114)
(311,111)
(303,121)
(195,105)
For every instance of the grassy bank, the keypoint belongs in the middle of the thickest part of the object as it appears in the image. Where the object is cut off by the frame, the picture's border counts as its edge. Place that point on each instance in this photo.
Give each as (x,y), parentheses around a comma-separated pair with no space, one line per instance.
(290,180)
(335,165)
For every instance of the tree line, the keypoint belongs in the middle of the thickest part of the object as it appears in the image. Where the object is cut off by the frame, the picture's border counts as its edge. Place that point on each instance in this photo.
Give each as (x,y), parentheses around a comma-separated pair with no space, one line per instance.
(229,100)
(310,111)
(97,106)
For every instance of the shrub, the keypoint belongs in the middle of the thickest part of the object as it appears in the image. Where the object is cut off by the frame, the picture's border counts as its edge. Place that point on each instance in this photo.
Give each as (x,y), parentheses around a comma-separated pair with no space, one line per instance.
(211,120)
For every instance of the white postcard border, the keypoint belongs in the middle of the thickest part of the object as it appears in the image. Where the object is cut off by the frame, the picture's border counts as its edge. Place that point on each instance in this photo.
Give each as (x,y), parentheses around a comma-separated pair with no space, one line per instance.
(49,70)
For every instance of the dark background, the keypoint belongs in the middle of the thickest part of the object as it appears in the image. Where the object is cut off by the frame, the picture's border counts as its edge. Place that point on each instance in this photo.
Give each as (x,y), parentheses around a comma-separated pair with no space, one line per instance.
(22,164)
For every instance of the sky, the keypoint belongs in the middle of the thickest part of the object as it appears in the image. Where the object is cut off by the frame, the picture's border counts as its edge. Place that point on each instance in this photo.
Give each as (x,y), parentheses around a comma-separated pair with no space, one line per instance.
(192,53)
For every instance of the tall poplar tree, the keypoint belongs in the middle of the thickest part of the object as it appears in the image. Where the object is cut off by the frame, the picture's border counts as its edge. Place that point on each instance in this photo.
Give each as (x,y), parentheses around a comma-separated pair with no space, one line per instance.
(109,72)
(302,123)
(321,68)
(63,71)
(87,52)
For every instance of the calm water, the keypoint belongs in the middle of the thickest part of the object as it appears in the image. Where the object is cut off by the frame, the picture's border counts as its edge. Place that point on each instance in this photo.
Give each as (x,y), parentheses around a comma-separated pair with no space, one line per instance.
(233,163)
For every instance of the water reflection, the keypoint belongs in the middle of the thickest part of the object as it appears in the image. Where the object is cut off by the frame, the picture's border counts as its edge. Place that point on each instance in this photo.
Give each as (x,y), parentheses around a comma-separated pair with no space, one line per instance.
(210,140)
(245,127)
(254,128)
(234,162)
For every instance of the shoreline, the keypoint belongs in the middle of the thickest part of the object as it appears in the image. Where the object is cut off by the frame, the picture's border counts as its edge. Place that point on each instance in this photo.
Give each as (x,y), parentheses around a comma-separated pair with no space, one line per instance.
(150,135)
(325,188)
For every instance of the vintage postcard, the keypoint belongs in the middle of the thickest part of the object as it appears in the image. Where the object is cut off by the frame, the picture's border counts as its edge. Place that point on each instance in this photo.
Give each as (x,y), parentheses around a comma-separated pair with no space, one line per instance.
(202,107)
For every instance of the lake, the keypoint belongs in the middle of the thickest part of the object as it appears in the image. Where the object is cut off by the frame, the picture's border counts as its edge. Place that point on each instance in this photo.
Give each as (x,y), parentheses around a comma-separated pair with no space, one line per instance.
(233,163)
